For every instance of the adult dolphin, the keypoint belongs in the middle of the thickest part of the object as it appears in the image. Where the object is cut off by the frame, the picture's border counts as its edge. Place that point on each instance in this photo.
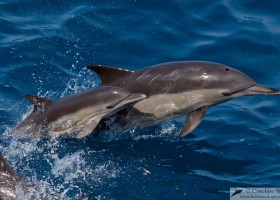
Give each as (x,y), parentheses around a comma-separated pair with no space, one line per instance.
(179,88)
(76,114)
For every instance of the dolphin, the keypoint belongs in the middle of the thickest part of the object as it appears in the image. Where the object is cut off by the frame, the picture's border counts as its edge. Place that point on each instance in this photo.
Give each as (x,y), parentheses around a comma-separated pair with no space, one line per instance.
(177,89)
(14,186)
(76,115)
(8,181)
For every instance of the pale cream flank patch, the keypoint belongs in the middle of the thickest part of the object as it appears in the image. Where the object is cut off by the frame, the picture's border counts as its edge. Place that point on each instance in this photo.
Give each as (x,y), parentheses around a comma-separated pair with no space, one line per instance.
(163,105)
(75,121)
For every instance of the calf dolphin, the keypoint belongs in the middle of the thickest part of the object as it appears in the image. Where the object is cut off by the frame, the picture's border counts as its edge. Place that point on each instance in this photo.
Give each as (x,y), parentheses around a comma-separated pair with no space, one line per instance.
(76,114)
(181,88)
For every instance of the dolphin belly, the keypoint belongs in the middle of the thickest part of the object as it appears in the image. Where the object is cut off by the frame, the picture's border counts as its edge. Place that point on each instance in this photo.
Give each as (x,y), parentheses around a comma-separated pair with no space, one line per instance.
(169,105)
(74,123)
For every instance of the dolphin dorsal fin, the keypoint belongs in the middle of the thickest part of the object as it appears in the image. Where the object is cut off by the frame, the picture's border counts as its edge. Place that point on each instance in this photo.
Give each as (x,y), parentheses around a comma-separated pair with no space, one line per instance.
(37,101)
(109,74)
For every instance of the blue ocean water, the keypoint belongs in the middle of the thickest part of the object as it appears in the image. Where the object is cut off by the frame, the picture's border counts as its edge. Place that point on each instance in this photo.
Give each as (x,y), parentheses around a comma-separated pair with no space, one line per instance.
(45,46)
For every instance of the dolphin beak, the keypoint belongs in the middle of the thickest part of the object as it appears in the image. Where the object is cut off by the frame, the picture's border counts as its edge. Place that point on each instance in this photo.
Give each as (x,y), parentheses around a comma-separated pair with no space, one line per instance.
(260,89)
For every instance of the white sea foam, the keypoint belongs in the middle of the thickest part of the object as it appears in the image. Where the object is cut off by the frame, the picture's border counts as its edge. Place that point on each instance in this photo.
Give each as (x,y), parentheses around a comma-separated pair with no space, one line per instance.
(70,165)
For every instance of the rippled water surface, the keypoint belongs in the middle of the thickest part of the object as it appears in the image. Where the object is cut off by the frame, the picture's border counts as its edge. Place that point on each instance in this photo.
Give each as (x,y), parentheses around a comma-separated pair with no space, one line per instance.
(45,46)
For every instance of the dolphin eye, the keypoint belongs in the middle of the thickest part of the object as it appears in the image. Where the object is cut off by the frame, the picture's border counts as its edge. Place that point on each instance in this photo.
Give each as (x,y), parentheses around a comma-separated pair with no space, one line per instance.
(227,69)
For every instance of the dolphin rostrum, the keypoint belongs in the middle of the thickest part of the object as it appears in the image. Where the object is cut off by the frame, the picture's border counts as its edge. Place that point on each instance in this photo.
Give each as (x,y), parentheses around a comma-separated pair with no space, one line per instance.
(179,88)
(76,114)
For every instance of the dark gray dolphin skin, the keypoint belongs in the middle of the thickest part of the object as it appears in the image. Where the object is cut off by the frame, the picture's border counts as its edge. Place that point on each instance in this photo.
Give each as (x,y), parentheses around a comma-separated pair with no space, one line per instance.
(76,115)
(179,88)
(8,181)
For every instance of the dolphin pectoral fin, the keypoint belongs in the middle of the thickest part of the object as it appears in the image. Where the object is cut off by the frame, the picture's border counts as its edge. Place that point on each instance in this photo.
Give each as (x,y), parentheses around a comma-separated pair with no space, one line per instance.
(109,74)
(37,101)
(192,121)
(88,127)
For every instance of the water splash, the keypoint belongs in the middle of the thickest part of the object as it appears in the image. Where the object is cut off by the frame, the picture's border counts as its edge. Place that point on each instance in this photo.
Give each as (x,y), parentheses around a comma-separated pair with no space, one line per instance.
(84,80)
(70,166)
